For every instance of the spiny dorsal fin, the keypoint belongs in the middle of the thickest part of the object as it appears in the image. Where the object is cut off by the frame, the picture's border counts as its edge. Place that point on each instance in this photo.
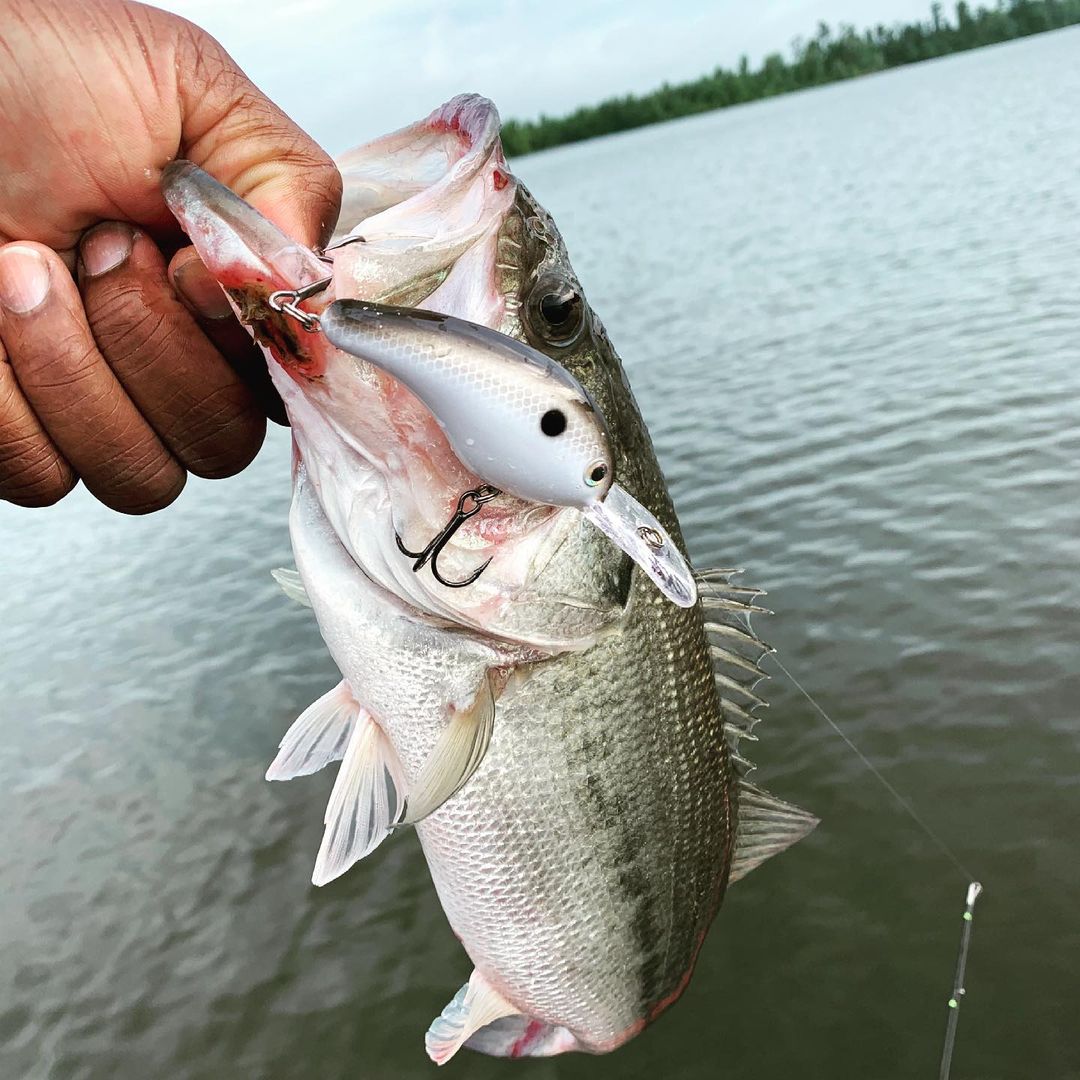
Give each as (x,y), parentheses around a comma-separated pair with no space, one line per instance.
(726,682)
(737,717)
(736,652)
(738,724)
(743,663)
(767,826)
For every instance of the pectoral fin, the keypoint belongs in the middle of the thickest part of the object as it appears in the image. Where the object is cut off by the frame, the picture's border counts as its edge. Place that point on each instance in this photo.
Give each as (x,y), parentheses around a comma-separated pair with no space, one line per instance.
(624,521)
(366,801)
(318,736)
(455,757)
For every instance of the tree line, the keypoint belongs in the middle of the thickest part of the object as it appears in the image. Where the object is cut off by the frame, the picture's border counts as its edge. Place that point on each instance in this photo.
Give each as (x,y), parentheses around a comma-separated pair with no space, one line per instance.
(830,55)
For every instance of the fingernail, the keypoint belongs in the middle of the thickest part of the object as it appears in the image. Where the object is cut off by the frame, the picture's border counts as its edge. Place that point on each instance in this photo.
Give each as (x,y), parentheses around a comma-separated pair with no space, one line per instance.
(105,247)
(201,291)
(24,279)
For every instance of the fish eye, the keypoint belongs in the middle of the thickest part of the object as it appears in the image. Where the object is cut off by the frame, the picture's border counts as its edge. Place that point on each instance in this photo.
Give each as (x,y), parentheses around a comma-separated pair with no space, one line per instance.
(553,422)
(558,308)
(596,473)
(556,311)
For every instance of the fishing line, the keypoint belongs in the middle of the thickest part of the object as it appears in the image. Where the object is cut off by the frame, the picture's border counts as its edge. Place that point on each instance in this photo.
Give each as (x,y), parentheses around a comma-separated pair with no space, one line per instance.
(974,889)
(908,808)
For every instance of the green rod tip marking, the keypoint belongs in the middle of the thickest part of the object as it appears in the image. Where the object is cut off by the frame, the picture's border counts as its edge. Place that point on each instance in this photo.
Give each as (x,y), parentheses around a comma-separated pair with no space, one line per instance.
(953,1003)
(967,916)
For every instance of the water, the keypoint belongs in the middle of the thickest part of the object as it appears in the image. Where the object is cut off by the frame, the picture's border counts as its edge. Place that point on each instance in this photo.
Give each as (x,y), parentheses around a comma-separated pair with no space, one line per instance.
(851,318)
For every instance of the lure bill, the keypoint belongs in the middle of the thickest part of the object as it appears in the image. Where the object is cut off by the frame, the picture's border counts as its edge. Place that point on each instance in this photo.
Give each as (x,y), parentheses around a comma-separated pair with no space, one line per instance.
(564,738)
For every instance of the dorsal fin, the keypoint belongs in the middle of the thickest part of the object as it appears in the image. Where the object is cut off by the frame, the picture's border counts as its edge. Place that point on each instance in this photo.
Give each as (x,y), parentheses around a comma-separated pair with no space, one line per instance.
(766,826)
(737,653)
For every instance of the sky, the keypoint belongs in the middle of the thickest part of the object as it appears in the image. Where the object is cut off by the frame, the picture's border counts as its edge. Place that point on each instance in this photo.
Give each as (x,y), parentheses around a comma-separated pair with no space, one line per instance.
(348,70)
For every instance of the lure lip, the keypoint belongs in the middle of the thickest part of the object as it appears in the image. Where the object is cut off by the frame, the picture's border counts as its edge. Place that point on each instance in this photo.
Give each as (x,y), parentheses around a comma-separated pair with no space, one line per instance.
(633,529)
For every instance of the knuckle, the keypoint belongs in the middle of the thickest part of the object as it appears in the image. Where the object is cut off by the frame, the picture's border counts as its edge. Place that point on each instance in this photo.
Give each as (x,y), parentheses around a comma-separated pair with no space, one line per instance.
(225,438)
(144,486)
(142,478)
(131,336)
(324,180)
(32,473)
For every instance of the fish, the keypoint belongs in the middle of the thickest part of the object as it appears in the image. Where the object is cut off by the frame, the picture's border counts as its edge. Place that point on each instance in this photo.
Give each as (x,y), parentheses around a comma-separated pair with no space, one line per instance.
(564,739)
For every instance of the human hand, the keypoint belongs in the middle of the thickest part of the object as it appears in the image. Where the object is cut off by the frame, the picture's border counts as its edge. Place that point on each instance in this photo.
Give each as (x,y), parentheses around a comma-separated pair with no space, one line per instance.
(105,375)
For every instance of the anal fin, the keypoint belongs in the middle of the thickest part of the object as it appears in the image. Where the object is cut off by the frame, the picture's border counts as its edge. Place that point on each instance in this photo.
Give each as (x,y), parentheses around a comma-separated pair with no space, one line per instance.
(455,757)
(766,826)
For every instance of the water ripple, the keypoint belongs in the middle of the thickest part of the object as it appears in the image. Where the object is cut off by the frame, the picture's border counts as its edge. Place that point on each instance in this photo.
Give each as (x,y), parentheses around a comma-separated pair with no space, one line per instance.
(850,318)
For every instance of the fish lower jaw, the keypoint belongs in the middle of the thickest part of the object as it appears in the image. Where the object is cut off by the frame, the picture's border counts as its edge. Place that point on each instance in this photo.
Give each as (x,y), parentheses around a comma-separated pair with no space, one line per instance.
(375,512)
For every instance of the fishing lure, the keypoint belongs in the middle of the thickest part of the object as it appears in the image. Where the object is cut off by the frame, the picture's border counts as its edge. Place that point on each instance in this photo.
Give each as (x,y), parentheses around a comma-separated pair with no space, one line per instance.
(515,417)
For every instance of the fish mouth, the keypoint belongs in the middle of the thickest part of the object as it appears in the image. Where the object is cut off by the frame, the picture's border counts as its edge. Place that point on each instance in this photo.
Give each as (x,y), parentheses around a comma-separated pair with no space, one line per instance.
(242,247)
(430,208)
(247,254)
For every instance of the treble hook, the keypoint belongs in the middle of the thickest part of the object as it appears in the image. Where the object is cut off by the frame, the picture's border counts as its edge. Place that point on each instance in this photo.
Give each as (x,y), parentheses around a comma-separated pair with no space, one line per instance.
(470,503)
(336,245)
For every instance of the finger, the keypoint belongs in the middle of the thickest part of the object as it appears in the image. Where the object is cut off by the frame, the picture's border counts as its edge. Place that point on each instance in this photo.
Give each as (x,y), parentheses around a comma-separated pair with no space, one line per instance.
(245,141)
(32,471)
(199,407)
(204,297)
(74,395)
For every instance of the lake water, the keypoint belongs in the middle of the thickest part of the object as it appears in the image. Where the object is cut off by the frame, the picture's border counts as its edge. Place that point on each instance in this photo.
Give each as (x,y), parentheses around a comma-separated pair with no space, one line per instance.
(852,318)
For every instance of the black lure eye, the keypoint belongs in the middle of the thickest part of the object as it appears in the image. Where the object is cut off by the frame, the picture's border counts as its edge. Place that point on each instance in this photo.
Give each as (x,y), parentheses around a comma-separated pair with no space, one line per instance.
(553,422)
(557,311)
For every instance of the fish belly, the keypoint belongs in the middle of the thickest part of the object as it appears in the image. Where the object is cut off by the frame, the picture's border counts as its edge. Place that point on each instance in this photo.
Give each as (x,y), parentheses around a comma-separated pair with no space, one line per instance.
(583,863)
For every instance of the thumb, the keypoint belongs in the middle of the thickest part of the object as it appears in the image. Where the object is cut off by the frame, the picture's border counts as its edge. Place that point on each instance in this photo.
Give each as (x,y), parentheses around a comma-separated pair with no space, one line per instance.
(233,131)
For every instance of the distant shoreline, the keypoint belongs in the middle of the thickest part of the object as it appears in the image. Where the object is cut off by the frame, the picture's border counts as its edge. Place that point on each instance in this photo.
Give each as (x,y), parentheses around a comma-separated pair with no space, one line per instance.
(828,57)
